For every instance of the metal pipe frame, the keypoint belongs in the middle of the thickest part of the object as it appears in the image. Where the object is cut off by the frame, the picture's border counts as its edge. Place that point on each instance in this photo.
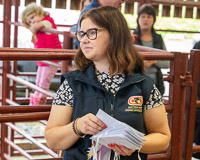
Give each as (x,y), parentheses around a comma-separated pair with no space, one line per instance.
(177,96)
(173,106)
(30,85)
(45,149)
(191,105)
(17,148)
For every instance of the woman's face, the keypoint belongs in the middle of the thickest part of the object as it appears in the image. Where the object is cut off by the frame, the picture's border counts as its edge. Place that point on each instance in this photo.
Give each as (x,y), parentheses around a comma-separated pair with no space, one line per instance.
(146,21)
(95,49)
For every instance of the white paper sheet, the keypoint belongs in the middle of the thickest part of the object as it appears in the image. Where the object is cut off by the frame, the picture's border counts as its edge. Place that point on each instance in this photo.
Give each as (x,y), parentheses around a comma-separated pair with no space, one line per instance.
(117,133)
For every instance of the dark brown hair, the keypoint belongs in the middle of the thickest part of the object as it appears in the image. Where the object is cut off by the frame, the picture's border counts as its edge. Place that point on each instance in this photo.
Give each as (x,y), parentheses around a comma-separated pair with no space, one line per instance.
(147,9)
(122,56)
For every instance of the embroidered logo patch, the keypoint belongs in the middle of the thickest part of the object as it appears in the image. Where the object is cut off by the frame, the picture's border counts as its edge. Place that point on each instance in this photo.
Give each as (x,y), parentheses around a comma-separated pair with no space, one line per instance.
(135,101)
(135,104)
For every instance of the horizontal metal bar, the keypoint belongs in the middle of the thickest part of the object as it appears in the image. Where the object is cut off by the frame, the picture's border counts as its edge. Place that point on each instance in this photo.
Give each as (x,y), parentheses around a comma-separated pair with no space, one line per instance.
(36,54)
(40,145)
(31,152)
(157,56)
(33,50)
(30,85)
(52,54)
(22,99)
(24,109)
(33,74)
(19,24)
(164,156)
(34,136)
(19,149)
(11,102)
(24,117)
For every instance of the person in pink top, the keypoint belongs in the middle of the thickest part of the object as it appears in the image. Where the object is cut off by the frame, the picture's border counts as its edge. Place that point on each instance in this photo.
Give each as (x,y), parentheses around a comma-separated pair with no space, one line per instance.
(35,18)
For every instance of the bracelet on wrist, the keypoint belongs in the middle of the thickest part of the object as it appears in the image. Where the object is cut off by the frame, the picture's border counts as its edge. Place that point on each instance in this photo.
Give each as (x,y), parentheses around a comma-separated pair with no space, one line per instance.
(74,127)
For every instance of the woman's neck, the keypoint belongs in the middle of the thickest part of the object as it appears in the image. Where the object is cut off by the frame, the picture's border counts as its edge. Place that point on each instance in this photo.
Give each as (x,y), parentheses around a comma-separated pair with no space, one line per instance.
(102,67)
(146,35)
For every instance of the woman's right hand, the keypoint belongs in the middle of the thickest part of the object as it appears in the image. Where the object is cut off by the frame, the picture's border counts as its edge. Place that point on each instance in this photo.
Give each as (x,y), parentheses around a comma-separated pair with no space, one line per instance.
(90,124)
(149,63)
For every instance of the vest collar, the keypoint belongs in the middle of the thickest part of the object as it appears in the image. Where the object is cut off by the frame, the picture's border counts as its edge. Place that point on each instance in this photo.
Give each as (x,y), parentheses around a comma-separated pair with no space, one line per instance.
(89,76)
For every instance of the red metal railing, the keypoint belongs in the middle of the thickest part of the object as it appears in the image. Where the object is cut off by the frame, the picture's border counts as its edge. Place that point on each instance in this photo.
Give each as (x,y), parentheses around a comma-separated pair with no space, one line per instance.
(181,113)
(178,77)
(176,99)
(191,104)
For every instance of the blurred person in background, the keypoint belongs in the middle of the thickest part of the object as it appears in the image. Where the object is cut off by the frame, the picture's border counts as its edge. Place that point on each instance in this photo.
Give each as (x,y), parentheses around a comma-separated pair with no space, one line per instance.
(146,36)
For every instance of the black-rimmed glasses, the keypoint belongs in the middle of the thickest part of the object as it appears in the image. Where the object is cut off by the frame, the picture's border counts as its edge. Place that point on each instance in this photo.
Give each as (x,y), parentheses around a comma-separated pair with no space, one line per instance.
(90,33)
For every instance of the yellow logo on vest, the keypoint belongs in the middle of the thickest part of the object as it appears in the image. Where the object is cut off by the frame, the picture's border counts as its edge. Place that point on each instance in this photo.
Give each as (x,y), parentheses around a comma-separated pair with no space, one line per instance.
(135,104)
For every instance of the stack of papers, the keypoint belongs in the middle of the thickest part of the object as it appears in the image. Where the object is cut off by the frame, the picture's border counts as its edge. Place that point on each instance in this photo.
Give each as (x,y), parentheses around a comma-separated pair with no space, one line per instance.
(117,133)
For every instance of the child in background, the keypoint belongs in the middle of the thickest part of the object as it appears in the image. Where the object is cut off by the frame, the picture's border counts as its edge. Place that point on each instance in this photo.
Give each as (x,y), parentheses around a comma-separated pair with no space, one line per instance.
(35,18)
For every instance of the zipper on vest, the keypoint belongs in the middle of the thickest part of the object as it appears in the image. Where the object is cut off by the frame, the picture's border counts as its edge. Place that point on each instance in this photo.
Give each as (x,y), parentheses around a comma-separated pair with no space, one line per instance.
(112,110)
(112,100)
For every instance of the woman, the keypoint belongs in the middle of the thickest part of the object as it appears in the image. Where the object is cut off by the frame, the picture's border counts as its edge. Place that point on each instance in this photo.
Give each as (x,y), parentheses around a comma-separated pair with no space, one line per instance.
(109,73)
(146,36)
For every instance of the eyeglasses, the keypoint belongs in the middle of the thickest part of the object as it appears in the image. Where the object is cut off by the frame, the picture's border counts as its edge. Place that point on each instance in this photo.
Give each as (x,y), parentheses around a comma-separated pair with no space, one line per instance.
(90,33)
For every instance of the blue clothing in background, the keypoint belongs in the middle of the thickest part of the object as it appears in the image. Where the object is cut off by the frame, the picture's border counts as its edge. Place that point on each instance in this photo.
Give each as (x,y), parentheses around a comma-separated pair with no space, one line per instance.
(92,5)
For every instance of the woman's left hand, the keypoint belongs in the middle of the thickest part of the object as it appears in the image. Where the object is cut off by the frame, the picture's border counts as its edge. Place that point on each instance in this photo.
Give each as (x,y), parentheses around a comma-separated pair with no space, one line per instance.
(121,149)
